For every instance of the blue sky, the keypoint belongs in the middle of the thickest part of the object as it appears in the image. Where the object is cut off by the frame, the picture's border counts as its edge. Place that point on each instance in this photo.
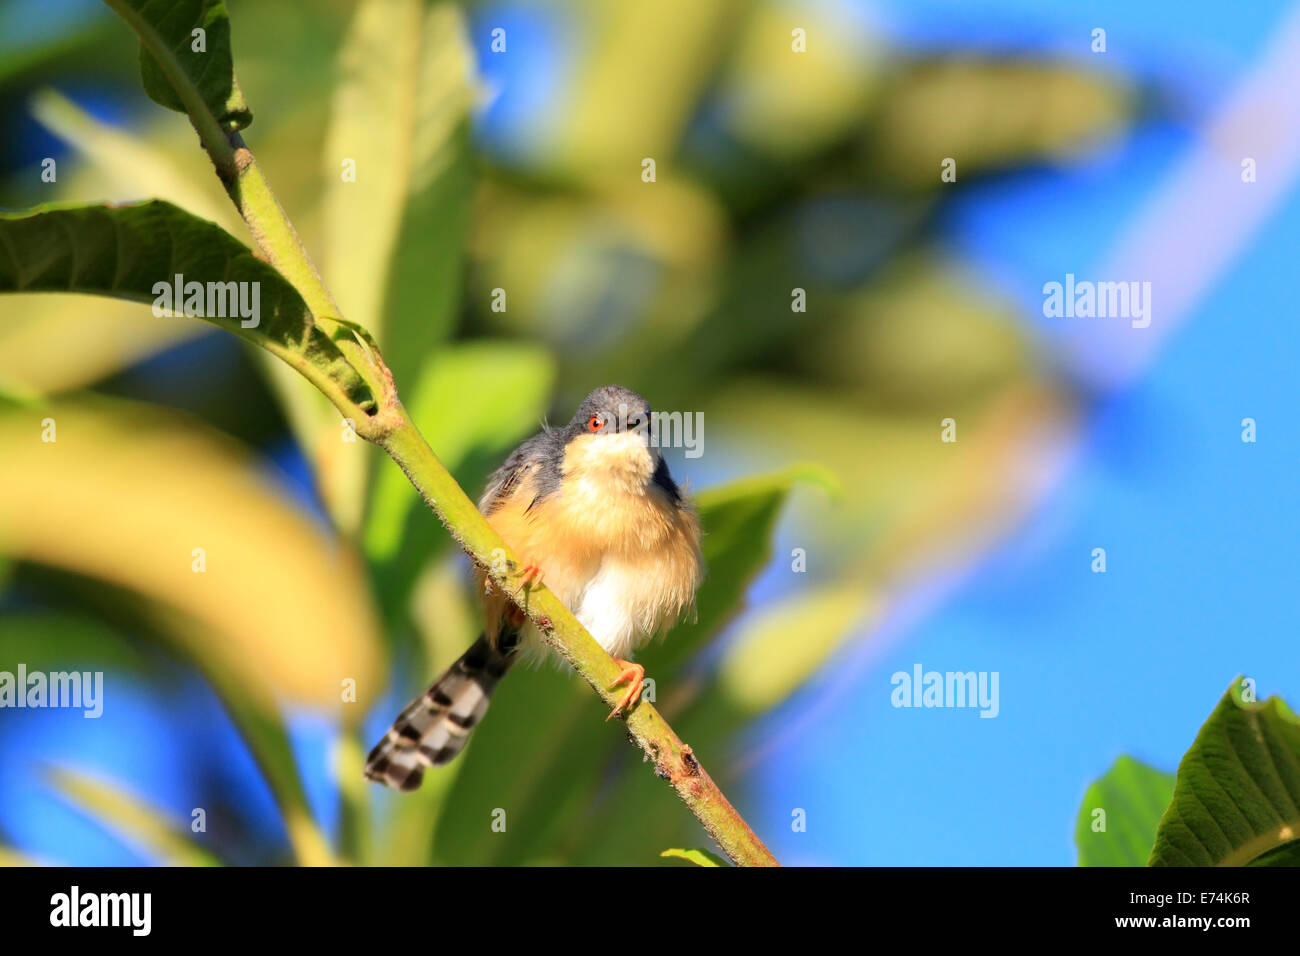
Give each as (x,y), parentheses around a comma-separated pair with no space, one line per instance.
(1200,528)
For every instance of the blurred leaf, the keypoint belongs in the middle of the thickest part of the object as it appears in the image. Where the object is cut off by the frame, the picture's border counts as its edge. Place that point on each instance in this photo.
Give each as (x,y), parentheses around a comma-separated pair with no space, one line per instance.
(140,823)
(622,271)
(989,114)
(1237,794)
(922,335)
(447,621)
(132,164)
(827,239)
(698,857)
(1133,796)
(538,758)
(125,251)
(55,640)
(508,385)
(786,644)
(394,250)
(789,103)
(915,499)
(263,730)
(171,25)
(50,344)
(445,612)
(268,571)
(21,52)
(278,606)
(10,857)
(613,117)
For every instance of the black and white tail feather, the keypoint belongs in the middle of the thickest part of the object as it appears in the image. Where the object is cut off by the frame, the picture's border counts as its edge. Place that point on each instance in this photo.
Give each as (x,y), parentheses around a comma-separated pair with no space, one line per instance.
(434,727)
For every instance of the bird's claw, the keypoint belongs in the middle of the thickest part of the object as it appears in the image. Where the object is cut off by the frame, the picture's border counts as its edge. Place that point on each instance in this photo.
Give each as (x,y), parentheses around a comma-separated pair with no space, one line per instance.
(634,676)
(531,577)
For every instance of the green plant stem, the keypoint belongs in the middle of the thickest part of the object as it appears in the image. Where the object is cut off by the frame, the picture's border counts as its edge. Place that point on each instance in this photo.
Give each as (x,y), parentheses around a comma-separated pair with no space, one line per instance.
(272,230)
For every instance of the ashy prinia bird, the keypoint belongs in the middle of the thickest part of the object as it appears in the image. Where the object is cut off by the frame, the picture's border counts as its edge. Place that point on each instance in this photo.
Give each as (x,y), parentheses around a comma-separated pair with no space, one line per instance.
(592,511)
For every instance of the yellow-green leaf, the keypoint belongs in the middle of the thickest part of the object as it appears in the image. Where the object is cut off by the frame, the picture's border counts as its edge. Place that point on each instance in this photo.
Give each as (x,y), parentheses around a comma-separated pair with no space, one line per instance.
(139,822)
(698,857)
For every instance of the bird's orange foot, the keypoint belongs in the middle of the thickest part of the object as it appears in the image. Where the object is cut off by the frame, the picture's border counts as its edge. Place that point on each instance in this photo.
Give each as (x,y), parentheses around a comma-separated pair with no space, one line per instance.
(531,579)
(634,676)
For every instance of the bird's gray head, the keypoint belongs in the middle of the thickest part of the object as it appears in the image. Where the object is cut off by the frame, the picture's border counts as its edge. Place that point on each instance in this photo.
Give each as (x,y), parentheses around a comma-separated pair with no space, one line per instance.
(610,410)
(607,443)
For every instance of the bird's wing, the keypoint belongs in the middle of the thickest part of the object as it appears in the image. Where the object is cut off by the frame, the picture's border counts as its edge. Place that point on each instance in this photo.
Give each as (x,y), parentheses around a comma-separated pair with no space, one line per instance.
(522,463)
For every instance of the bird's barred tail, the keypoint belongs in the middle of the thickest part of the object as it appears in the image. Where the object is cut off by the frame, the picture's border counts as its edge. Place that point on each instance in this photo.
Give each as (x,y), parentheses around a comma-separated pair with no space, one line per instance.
(434,727)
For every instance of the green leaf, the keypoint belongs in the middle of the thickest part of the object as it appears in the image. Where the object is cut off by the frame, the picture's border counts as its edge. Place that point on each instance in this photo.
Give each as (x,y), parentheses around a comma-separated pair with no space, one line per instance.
(132,251)
(611,116)
(139,822)
(1237,794)
(177,75)
(698,857)
(1133,796)
(396,233)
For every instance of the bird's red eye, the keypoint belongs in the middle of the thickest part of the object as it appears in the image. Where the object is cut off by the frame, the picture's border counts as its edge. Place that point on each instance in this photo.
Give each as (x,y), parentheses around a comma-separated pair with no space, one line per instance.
(596,423)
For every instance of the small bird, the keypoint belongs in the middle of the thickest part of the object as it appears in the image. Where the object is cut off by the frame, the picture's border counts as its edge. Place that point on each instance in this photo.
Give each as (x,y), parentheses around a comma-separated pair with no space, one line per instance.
(593,511)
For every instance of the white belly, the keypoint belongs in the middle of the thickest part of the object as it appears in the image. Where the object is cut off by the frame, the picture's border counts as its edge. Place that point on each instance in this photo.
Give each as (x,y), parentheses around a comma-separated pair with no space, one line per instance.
(613,610)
